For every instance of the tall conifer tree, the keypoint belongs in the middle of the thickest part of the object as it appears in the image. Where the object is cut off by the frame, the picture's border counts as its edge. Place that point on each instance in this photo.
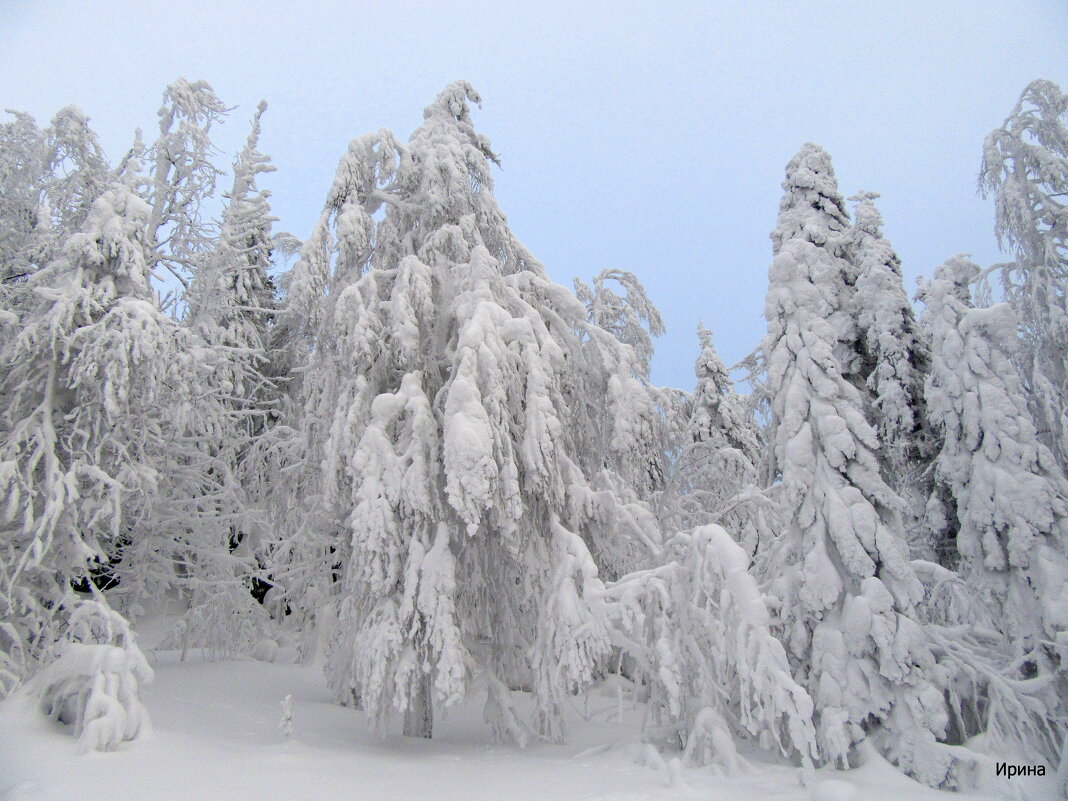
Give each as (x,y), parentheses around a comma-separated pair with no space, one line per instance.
(894,362)
(845,589)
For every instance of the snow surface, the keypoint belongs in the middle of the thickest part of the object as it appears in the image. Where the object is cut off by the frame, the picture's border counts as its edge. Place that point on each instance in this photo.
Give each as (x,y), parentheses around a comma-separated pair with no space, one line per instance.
(217,736)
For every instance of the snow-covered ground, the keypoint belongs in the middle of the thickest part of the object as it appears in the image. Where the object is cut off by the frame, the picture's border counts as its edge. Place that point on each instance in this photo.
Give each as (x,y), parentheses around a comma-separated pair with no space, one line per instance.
(216,737)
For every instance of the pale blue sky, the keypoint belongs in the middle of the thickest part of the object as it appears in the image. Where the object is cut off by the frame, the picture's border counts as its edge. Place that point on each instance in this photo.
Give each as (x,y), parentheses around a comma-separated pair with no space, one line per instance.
(644,136)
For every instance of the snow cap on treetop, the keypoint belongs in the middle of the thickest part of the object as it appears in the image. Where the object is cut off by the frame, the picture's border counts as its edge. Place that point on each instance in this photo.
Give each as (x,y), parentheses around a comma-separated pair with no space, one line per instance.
(811,207)
(959,269)
(194,101)
(810,168)
(452,103)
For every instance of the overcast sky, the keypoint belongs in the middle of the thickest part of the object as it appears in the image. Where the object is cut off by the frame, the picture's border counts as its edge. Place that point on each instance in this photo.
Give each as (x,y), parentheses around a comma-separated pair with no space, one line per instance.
(644,136)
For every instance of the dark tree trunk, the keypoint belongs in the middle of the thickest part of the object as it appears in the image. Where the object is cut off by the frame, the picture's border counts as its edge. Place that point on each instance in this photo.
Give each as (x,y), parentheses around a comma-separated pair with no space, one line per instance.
(419,716)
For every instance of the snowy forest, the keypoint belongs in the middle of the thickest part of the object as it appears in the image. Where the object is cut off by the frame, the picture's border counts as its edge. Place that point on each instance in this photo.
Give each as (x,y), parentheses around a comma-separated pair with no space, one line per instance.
(397,450)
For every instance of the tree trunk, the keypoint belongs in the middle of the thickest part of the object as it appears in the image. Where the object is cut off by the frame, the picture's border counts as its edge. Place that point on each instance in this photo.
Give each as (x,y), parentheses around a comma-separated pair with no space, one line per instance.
(419,716)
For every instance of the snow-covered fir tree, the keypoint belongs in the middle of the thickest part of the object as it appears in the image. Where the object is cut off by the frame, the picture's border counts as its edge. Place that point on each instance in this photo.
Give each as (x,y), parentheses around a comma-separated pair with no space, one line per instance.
(630,456)
(1000,502)
(23,216)
(1025,166)
(230,305)
(839,571)
(23,175)
(48,181)
(895,362)
(631,317)
(307,534)
(811,208)
(79,172)
(444,434)
(183,547)
(458,476)
(719,413)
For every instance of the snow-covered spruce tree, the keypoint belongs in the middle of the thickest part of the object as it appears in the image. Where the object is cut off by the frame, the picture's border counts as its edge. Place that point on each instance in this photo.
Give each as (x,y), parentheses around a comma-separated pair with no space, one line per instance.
(631,317)
(441,393)
(79,173)
(630,457)
(719,413)
(180,544)
(48,181)
(1025,166)
(999,621)
(306,542)
(812,210)
(1011,501)
(839,571)
(895,363)
(84,384)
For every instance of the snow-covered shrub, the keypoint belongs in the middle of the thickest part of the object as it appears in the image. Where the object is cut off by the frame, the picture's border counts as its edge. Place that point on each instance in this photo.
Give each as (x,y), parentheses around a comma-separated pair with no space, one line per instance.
(698,628)
(223,620)
(94,678)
